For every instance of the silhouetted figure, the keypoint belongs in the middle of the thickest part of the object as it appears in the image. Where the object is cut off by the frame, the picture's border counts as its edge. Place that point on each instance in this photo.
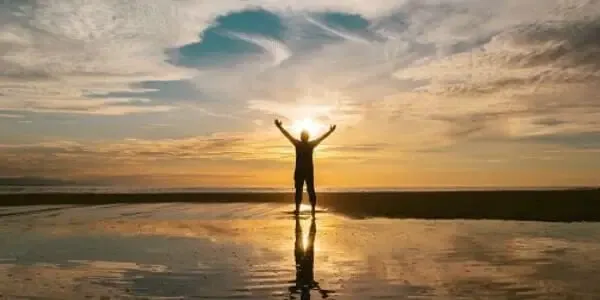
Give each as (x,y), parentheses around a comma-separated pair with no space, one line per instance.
(304,255)
(304,171)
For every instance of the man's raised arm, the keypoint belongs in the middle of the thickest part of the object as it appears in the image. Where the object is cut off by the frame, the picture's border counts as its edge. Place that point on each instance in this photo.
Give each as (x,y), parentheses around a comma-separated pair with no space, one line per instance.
(324,136)
(285,133)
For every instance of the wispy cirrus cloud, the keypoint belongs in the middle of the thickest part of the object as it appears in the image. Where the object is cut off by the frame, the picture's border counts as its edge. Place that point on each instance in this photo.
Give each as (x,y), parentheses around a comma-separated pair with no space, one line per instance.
(337,32)
(535,79)
(11,116)
(278,51)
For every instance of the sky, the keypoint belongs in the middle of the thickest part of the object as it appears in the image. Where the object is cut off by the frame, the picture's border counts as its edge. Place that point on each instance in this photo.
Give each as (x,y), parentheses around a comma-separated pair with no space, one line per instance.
(424,93)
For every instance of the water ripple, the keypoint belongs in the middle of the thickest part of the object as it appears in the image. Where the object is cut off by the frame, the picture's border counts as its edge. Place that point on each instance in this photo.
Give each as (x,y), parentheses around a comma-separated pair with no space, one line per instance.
(243,251)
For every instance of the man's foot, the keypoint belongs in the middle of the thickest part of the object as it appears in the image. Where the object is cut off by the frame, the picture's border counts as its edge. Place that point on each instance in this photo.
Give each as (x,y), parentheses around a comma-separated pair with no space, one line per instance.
(296,212)
(312,212)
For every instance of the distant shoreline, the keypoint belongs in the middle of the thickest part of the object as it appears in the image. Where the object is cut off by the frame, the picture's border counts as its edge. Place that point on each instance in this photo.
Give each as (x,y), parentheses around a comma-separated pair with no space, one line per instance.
(528,205)
(77,189)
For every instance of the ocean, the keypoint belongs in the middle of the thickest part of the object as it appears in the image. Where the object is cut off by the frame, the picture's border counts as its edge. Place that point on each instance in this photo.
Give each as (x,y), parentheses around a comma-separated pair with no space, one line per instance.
(261,251)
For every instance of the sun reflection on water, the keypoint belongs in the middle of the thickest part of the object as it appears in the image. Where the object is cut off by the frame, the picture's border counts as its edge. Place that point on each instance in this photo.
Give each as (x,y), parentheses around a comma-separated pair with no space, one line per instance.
(257,248)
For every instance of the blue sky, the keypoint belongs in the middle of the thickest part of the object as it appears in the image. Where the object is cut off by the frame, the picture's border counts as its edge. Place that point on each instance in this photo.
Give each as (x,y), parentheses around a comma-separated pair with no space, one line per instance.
(424,93)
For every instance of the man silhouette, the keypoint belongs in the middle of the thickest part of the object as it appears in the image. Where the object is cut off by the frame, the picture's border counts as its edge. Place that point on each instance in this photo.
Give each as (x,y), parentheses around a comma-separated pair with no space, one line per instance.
(304,171)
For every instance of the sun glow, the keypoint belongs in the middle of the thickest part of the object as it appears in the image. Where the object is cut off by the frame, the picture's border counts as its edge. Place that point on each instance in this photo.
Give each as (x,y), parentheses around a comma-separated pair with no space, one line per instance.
(307,124)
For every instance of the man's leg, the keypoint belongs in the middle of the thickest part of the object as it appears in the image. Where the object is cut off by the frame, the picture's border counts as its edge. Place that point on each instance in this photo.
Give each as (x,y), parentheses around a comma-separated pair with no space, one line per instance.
(312,195)
(299,185)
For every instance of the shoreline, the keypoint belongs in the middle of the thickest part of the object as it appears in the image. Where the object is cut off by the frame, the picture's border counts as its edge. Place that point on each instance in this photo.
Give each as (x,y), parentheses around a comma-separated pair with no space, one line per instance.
(539,205)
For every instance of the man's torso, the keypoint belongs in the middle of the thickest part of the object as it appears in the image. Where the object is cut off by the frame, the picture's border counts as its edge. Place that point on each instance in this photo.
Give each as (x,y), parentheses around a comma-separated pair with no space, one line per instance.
(304,158)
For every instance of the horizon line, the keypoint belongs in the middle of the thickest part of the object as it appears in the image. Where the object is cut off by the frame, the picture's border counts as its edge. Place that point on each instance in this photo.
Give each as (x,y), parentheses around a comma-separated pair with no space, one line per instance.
(82,189)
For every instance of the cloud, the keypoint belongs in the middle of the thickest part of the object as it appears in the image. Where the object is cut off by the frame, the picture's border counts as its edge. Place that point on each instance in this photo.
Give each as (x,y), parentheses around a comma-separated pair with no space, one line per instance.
(74,50)
(323,107)
(32,181)
(219,146)
(131,158)
(337,32)
(278,51)
(185,158)
(557,52)
(68,49)
(241,159)
(11,116)
(98,47)
(512,85)
(412,36)
(438,73)
(416,74)
(332,81)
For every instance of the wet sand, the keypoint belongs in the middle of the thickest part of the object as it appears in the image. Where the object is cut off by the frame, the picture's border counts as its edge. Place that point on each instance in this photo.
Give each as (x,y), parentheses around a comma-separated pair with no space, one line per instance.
(252,250)
(556,205)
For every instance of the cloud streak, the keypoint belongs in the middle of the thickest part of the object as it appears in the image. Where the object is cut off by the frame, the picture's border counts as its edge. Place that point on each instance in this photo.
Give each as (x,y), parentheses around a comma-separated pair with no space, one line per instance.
(278,51)
(234,153)
(521,77)
(10,116)
(337,32)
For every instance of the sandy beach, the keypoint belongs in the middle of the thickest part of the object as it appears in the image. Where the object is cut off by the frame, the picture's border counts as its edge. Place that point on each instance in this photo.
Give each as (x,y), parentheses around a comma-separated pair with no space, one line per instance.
(572,205)
(251,251)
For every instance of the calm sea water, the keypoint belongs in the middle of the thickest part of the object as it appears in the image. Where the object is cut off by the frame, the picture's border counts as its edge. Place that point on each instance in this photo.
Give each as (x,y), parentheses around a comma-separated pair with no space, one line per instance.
(261,251)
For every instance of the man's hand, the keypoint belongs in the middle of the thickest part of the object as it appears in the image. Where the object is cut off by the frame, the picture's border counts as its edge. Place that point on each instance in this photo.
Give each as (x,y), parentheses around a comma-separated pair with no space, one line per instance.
(324,136)
(285,133)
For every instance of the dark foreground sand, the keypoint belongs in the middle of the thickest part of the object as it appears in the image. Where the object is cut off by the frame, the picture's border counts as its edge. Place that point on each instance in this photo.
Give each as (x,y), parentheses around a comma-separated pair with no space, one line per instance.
(561,205)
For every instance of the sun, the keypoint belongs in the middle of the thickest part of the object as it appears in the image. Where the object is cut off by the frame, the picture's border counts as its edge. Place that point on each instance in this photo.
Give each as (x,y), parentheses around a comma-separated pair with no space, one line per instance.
(307,124)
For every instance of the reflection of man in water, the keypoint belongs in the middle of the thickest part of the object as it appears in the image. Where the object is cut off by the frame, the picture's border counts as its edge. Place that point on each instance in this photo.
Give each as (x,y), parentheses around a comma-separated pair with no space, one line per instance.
(304,171)
(304,253)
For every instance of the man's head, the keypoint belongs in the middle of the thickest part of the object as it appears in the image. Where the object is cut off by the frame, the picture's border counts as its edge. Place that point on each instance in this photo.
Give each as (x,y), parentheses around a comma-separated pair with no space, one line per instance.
(304,136)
